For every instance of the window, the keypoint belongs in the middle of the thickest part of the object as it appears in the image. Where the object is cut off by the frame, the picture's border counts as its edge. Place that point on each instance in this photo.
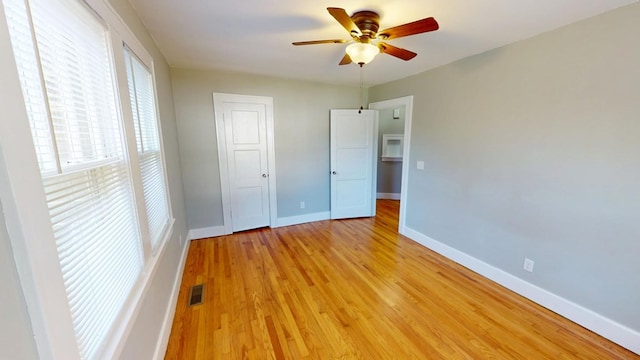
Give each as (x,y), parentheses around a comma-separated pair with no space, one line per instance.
(145,123)
(79,125)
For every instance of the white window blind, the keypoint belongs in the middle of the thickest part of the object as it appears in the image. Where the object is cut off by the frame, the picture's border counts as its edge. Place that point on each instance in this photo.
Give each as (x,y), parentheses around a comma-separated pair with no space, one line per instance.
(142,96)
(23,49)
(69,92)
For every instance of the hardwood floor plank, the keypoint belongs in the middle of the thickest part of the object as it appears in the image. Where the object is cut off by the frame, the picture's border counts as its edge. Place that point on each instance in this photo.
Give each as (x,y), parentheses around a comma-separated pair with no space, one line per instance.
(356,289)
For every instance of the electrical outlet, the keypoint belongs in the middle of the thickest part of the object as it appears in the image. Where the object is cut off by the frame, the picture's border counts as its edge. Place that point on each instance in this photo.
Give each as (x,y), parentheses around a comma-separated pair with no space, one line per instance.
(301,204)
(528,265)
(420,165)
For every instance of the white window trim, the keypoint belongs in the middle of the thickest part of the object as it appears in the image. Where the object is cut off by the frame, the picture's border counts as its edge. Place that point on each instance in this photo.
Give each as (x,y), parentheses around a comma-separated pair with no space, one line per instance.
(26,213)
(121,72)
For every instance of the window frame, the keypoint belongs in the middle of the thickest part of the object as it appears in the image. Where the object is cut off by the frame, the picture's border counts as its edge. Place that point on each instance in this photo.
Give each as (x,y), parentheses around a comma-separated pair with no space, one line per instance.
(26,212)
(148,63)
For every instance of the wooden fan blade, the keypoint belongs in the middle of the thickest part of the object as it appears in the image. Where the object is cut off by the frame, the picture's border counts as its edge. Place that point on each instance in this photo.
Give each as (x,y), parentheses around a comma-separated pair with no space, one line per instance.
(314,42)
(345,60)
(396,51)
(345,20)
(412,28)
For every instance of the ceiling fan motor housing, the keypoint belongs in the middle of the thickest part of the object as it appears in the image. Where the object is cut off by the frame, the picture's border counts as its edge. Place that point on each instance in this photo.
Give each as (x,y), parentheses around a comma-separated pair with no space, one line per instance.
(368,22)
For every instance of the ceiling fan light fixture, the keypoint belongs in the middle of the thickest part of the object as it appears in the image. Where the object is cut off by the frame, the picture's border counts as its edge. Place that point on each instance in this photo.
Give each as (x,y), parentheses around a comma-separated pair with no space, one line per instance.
(362,53)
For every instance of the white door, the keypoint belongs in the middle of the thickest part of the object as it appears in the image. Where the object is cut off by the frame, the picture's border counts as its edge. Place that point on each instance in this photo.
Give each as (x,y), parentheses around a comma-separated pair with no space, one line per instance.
(244,161)
(353,163)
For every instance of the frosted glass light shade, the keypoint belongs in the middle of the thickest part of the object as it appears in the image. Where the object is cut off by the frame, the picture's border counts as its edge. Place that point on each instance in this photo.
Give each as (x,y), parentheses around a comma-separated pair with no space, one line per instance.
(361,53)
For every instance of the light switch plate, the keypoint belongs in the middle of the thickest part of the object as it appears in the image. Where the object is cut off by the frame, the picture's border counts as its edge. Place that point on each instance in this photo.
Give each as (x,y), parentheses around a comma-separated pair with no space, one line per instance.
(420,165)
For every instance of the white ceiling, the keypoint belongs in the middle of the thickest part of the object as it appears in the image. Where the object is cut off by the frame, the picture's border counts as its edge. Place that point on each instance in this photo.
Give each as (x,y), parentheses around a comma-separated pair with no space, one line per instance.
(254,36)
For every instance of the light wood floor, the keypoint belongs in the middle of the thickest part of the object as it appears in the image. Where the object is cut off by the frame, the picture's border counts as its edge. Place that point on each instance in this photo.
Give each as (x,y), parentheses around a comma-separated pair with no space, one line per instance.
(355,289)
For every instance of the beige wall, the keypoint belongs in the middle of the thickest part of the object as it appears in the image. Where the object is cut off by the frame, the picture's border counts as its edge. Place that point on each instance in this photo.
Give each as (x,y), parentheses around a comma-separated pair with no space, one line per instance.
(532,150)
(16,335)
(301,120)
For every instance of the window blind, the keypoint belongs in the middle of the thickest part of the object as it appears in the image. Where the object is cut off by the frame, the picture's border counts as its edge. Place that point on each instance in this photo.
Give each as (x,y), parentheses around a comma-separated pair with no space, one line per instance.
(64,61)
(23,49)
(141,93)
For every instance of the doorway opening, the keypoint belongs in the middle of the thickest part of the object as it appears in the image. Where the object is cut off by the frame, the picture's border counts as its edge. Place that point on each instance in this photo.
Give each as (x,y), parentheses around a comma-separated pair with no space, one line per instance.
(394,120)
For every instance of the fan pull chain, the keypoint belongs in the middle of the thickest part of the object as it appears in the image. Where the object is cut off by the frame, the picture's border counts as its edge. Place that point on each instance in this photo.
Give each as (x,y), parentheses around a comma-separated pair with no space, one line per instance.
(361,89)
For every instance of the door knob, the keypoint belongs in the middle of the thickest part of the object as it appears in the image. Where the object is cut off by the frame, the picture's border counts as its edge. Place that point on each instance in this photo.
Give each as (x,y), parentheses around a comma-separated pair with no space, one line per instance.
(334,173)
(264,175)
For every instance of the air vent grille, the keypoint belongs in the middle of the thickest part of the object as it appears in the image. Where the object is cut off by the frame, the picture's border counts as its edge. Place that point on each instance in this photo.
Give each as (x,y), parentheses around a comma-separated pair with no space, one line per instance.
(196,295)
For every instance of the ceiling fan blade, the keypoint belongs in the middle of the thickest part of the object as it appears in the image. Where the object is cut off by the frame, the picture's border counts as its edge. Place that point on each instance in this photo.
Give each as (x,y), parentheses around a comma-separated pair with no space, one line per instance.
(345,20)
(345,60)
(314,42)
(396,51)
(412,28)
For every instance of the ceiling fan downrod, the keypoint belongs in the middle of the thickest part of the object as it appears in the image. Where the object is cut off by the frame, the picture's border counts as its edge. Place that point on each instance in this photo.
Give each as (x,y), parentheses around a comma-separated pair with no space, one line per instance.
(361,89)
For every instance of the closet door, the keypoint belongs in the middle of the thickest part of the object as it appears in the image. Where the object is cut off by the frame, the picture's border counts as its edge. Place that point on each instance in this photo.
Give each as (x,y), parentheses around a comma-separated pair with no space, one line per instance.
(353,163)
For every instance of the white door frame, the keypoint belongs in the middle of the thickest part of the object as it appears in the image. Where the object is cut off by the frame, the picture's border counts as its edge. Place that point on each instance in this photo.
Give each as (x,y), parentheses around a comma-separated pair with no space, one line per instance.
(218,100)
(407,101)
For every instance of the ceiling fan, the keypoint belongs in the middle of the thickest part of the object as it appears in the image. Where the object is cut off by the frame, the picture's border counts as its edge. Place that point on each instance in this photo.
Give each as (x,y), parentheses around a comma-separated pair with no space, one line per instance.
(367,40)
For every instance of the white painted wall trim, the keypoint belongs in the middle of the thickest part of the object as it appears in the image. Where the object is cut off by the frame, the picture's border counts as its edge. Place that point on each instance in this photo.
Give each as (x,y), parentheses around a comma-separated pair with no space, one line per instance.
(388,196)
(207,232)
(306,218)
(589,319)
(165,331)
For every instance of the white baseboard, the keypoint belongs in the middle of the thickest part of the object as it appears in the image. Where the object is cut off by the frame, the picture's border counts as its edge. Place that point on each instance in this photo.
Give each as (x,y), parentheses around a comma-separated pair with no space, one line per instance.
(301,219)
(388,196)
(589,319)
(202,233)
(165,332)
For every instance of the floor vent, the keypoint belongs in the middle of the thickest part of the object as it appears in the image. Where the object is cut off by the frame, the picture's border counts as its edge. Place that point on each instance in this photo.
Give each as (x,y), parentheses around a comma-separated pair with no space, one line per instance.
(196,295)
